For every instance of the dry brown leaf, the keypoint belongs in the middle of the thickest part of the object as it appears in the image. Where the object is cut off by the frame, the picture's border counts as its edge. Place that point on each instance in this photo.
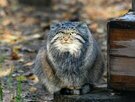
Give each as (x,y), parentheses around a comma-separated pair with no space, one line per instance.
(66,15)
(3,3)
(103,12)
(33,89)
(6,68)
(6,36)
(6,22)
(33,78)
(14,54)
(94,27)
(29,64)
(30,21)
(95,13)
(35,36)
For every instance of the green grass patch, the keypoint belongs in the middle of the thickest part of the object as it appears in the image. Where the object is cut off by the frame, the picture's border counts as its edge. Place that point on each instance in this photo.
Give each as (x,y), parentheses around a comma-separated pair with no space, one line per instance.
(1,92)
(2,58)
(19,92)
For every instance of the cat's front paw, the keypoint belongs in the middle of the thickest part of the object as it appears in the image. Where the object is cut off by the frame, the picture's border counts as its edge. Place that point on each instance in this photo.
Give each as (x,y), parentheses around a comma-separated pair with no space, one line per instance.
(66,91)
(86,88)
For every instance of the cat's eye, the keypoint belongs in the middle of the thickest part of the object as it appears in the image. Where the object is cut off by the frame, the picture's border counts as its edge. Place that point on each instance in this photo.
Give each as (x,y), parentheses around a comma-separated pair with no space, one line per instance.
(73,33)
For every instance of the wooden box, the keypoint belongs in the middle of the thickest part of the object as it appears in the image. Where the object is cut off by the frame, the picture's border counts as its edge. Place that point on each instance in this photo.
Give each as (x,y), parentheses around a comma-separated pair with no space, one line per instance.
(121,52)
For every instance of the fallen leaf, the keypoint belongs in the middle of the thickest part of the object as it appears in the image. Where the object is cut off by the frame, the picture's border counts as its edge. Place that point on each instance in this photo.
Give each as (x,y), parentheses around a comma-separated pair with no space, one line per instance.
(35,36)
(15,54)
(31,21)
(6,36)
(98,13)
(3,3)
(33,89)
(6,21)
(6,68)
(29,64)
(32,77)
(94,27)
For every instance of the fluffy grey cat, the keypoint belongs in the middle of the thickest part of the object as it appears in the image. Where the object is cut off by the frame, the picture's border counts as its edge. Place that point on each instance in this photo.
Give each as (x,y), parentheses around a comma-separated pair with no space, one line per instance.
(71,61)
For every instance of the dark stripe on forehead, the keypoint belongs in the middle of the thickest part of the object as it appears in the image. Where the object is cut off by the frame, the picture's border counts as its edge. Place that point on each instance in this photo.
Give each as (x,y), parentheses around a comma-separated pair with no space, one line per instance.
(66,30)
(60,31)
(67,24)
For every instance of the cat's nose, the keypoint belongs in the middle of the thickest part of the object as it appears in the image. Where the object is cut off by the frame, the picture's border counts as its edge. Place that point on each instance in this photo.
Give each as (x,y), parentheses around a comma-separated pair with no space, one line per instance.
(66,38)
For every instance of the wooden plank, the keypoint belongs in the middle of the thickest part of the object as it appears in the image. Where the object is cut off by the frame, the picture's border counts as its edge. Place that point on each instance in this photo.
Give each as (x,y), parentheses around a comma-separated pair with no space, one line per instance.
(120,35)
(122,42)
(123,48)
(122,66)
(122,82)
(121,55)
(133,5)
(123,79)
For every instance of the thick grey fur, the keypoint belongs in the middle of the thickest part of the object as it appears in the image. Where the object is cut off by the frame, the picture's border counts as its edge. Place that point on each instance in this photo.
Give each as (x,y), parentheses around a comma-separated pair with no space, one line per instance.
(58,70)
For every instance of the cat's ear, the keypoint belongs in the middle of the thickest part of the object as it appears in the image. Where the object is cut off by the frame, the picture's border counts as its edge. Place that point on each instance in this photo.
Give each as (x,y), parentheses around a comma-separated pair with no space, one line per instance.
(82,27)
(81,24)
(54,25)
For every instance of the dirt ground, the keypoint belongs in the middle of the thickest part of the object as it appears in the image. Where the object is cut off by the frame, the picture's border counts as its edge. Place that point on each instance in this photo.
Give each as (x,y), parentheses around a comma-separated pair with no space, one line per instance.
(23,30)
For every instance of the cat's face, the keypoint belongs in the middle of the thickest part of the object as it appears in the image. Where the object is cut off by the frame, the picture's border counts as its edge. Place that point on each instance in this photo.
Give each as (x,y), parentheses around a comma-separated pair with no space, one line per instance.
(67,37)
